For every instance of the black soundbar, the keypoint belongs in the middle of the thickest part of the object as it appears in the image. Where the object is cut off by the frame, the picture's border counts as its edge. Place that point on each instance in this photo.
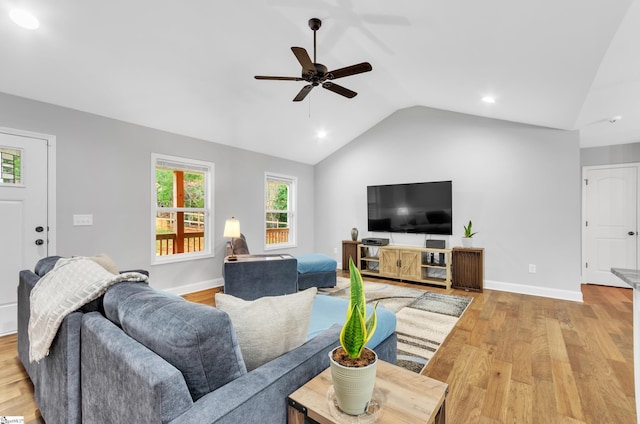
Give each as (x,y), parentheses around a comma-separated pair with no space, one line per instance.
(375,241)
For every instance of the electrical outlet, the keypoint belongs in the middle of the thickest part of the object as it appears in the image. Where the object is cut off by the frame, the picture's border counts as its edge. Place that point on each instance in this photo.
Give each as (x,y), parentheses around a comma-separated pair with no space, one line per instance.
(532,268)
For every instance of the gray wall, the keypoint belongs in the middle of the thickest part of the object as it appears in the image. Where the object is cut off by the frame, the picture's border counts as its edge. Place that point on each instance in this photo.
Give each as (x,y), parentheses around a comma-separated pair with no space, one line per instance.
(610,155)
(519,184)
(103,168)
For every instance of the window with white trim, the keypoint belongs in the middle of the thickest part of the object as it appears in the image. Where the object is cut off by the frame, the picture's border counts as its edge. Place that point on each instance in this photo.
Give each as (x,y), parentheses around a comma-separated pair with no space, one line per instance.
(10,165)
(279,211)
(181,201)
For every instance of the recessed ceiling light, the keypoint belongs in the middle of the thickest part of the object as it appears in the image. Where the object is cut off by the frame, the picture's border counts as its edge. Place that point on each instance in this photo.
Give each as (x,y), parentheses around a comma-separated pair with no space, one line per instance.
(24,19)
(615,119)
(322,134)
(489,99)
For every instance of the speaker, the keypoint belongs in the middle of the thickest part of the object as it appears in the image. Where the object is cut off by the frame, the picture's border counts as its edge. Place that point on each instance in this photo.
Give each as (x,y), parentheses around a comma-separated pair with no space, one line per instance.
(435,244)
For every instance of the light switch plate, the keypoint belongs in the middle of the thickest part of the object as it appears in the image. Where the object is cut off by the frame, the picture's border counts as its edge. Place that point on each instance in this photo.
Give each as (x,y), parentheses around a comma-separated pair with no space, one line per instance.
(79,220)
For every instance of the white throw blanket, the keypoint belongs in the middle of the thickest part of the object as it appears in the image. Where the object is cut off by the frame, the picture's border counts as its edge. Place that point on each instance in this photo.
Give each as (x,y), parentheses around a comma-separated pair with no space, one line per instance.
(72,283)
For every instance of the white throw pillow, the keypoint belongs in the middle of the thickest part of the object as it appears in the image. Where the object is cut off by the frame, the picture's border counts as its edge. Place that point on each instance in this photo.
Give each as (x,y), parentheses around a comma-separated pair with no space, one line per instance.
(106,262)
(270,326)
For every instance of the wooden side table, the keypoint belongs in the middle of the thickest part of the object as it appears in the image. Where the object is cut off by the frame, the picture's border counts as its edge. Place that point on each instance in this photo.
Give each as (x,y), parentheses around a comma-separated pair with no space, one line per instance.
(349,250)
(410,398)
(468,268)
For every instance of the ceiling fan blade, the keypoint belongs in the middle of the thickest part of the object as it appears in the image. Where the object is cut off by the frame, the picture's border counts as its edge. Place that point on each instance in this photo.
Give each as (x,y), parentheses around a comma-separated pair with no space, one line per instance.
(303,93)
(261,77)
(339,89)
(349,70)
(304,59)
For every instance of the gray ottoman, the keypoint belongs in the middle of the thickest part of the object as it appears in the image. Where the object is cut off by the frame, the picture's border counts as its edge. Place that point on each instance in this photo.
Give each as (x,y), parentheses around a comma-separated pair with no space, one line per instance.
(316,270)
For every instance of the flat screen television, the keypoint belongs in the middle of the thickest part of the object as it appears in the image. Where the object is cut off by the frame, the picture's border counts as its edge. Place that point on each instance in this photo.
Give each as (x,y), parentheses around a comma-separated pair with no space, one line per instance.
(423,208)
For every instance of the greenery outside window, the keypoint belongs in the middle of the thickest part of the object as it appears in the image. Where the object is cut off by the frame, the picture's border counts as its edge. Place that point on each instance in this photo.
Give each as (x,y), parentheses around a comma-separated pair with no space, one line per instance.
(280,192)
(10,166)
(181,208)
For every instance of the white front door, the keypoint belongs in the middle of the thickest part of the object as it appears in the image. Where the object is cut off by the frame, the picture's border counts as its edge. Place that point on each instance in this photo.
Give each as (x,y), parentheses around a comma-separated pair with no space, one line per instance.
(24,218)
(610,227)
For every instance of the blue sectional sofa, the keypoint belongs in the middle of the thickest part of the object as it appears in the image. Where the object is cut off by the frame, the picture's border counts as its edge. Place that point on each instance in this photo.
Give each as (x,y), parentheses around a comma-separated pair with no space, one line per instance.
(140,355)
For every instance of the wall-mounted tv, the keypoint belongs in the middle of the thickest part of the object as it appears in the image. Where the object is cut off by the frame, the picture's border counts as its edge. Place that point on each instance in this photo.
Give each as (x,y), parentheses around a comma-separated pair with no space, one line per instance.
(423,208)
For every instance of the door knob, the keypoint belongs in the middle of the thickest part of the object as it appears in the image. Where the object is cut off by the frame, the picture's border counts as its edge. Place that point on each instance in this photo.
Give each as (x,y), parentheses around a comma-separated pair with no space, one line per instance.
(39,229)
(631,233)
(39,242)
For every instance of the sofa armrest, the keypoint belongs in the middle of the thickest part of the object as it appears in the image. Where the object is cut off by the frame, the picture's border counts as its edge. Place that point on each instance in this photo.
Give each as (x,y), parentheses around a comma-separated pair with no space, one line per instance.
(26,283)
(139,271)
(56,378)
(262,394)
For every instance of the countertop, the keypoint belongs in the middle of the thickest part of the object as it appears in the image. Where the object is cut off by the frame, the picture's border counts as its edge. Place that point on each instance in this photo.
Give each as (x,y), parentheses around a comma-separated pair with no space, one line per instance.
(629,276)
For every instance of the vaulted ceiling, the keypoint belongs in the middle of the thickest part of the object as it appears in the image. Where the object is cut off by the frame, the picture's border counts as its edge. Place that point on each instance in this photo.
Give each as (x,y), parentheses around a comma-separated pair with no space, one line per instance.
(188,67)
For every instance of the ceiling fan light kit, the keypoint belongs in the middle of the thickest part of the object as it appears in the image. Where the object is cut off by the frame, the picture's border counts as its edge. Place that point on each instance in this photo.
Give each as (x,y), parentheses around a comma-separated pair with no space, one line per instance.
(315,73)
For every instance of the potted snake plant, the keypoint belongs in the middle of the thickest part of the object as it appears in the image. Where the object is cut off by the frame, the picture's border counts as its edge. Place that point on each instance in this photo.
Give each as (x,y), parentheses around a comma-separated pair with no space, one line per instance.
(467,240)
(353,366)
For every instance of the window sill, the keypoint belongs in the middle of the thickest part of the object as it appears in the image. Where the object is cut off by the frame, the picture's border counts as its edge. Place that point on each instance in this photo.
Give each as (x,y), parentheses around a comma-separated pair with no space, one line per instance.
(184,257)
(279,246)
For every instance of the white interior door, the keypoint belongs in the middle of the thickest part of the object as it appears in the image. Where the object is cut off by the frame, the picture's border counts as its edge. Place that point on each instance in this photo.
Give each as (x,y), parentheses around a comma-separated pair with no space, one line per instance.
(23,212)
(610,227)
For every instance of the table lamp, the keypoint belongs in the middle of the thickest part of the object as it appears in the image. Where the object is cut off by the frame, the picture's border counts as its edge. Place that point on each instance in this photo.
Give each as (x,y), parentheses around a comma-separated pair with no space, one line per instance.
(232,230)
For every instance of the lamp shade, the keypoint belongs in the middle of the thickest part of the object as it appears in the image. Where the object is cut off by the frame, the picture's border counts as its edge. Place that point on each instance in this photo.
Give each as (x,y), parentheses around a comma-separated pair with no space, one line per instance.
(232,228)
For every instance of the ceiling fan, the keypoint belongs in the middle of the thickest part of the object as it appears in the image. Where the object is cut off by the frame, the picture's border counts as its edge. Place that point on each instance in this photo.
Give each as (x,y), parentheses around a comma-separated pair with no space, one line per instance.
(316,73)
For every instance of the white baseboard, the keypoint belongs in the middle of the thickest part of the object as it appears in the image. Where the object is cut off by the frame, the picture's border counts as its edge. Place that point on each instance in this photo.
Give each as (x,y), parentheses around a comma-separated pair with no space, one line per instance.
(8,319)
(575,296)
(194,287)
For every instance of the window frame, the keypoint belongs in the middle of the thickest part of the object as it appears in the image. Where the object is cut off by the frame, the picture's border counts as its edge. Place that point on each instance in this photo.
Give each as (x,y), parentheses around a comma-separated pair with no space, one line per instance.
(292,182)
(2,167)
(187,164)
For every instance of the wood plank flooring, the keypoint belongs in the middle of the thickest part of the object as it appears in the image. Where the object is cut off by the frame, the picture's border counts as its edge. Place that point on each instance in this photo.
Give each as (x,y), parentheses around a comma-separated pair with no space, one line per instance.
(510,359)
(524,359)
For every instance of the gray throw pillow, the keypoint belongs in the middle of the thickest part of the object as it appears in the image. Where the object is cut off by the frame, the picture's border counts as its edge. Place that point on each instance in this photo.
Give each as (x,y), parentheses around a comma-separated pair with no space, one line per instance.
(196,339)
(269,326)
(240,246)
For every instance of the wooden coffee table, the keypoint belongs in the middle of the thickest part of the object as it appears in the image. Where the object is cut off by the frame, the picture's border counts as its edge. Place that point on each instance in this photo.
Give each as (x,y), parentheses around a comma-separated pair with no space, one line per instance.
(406,397)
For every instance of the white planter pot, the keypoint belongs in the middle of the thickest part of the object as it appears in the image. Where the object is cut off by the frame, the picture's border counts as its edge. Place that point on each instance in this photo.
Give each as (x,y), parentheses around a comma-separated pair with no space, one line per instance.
(467,242)
(353,386)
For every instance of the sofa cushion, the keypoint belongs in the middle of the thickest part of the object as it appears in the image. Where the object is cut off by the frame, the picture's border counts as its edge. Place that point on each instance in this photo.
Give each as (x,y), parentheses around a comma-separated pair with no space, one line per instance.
(329,310)
(45,265)
(269,326)
(196,339)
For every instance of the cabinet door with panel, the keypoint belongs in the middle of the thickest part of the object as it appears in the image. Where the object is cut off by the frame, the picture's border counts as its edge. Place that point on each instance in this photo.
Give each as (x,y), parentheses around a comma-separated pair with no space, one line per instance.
(389,262)
(410,261)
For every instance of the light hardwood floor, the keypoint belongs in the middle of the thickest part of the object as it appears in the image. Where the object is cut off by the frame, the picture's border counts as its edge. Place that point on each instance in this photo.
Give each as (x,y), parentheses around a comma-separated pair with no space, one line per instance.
(510,359)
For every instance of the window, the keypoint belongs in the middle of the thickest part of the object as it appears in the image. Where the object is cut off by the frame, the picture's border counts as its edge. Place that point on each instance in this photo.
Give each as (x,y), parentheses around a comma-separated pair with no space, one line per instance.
(181,199)
(10,161)
(279,209)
